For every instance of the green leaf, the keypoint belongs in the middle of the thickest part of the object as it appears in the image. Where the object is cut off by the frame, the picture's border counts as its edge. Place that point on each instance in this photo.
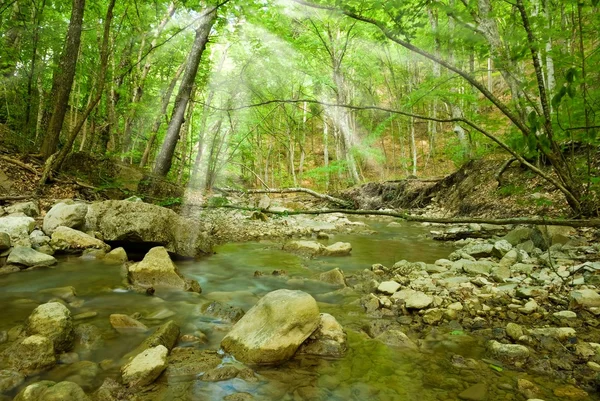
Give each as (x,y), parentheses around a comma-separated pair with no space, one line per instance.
(571,75)
(496,368)
(595,2)
(571,91)
(533,121)
(558,97)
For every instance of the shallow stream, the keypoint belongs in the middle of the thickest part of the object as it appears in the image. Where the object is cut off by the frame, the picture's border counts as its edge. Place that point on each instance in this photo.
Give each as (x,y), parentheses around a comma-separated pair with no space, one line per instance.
(369,371)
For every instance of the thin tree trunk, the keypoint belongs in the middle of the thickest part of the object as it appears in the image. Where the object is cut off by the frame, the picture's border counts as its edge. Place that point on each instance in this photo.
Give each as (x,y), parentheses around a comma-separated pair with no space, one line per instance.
(139,90)
(63,79)
(163,110)
(165,156)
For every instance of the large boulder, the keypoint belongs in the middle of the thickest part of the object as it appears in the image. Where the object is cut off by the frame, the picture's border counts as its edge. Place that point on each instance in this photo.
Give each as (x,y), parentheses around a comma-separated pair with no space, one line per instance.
(157,270)
(68,240)
(30,355)
(51,391)
(24,256)
(145,367)
(139,222)
(18,227)
(66,214)
(273,329)
(52,320)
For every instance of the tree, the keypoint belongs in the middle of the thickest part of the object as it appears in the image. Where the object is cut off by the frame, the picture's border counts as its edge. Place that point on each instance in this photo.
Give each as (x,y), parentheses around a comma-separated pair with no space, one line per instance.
(63,79)
(165,156)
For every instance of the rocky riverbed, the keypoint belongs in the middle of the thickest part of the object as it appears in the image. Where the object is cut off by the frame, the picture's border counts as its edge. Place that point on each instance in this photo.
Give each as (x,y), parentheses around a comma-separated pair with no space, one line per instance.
(321,308)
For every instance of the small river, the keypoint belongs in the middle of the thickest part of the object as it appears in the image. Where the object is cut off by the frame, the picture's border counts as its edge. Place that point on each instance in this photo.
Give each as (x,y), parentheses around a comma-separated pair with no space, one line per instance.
(369,371)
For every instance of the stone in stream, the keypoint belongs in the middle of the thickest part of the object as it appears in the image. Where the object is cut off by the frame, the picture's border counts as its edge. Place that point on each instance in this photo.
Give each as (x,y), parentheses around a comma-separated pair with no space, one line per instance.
(116,256)
(67,294)
(52,320)
(222,311)
(273,329)
(145,367)
(513,352)
(65,239)
(388,287)
(166,335)
(478,250)
(66,214)
(584,299)
(338,249)
(333,276)
(30,355)
(50,391)
(514,331)
(140,222)
(126,324)
(477,392)
(18,228)
(28,257)
(414,299)
(157,270)
(4,241)
(307,248)
(396,338)
(10,380)
(328,340)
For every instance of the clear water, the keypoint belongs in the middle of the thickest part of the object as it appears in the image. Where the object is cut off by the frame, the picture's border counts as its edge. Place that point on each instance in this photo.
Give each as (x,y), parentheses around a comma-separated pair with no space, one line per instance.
(369,371)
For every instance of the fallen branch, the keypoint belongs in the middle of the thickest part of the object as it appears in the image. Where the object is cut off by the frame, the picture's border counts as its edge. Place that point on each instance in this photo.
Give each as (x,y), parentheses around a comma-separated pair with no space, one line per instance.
(425,219)
(19,163)
(17,197)
(329,198)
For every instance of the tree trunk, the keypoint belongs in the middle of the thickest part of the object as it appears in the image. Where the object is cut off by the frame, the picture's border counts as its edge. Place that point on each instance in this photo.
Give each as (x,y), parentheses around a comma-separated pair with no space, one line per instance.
(165,157)
(163,110)
(139,90)
(99,90)
(63,79)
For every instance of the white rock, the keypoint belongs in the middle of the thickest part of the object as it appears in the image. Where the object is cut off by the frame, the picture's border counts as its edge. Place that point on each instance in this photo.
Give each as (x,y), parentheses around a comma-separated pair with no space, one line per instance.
(145,367)
(64,214)
(388,287)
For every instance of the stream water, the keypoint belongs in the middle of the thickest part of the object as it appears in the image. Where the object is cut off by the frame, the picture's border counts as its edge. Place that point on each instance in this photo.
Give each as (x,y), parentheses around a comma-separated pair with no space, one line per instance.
(369,371)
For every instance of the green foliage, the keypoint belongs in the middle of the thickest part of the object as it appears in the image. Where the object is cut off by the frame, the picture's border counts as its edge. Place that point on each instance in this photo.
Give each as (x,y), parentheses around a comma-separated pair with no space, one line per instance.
(171,201)
(217,201)
(510,190)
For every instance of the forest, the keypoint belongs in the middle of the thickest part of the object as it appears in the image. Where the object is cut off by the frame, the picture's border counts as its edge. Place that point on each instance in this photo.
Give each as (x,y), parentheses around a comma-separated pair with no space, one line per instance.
(273,94)
(299,200)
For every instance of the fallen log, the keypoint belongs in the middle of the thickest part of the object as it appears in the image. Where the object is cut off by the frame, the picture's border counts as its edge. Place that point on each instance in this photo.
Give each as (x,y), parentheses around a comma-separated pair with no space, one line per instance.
(15,197)
(329,198)
(425,219)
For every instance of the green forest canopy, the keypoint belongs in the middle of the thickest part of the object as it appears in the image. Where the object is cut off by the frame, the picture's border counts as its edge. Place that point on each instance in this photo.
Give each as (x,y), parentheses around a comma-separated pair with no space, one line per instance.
(323,93)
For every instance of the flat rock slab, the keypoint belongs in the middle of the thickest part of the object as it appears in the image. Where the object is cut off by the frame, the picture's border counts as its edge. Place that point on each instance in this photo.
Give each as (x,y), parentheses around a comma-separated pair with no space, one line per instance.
(25,256)
(68,240)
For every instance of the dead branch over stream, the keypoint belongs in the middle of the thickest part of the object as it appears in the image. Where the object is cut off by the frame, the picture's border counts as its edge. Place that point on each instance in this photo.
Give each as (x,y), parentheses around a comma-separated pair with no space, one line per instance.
(425,219)
(329,198)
